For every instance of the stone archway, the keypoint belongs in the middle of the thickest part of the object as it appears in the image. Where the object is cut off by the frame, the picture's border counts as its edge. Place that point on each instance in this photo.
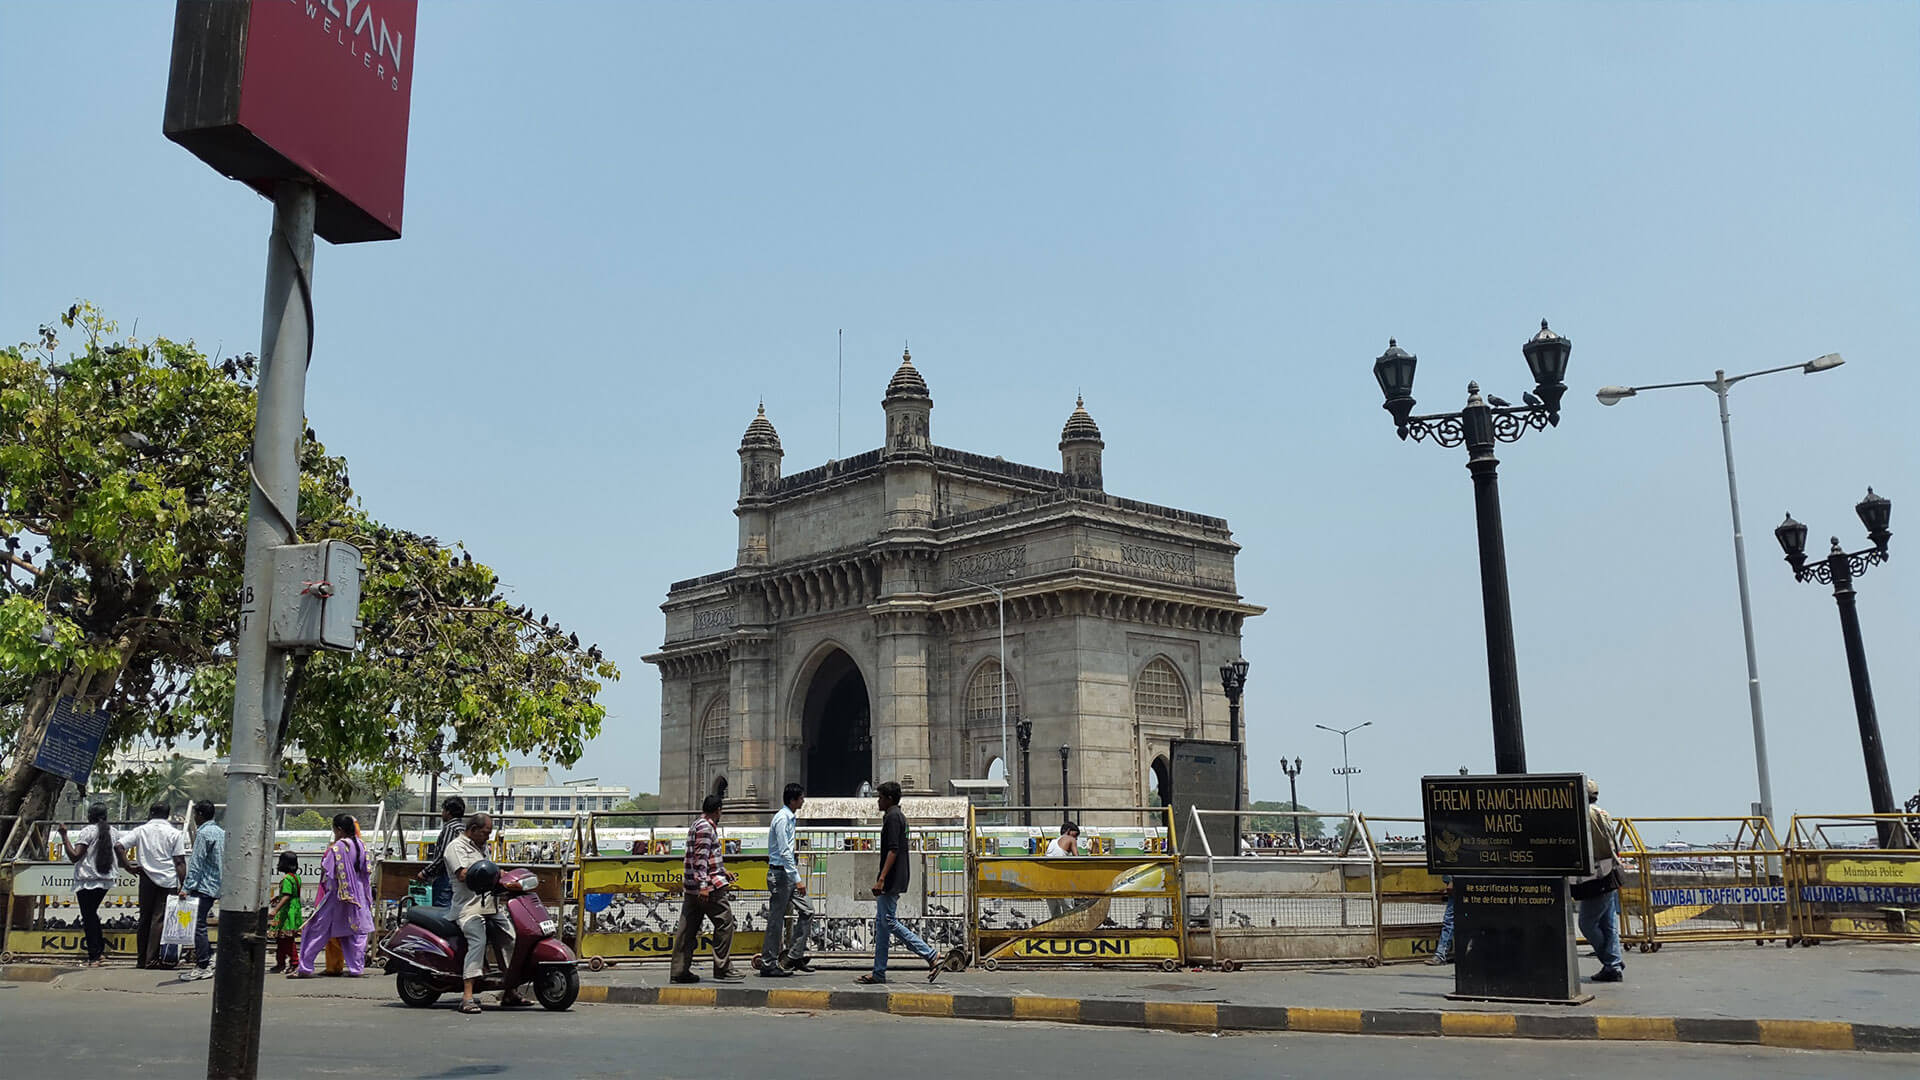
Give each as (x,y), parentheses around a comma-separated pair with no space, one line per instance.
(836,728)
(1162,780)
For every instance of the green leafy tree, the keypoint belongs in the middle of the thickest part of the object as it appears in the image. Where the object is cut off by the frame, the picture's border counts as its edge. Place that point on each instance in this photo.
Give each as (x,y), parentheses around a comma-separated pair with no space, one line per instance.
(309,819)
(643,806)
(123,499)
(1310,828)
(171,782)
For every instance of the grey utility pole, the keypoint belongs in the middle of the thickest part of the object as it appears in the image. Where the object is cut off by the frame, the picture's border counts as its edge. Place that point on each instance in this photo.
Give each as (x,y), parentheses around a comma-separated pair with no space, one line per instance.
(286,338)
(1720,384)
(1346,769)
(1006,762)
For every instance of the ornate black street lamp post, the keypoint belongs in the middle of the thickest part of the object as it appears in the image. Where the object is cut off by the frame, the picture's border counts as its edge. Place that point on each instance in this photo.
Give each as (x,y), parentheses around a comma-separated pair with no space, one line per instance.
(1293,798)
(1233,679)
(1066,812)
(1023,731)
(1479,427)
(1839,569)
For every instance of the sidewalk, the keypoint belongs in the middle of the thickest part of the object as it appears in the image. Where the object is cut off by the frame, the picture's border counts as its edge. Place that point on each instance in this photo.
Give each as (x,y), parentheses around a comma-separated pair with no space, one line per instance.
(1833,997)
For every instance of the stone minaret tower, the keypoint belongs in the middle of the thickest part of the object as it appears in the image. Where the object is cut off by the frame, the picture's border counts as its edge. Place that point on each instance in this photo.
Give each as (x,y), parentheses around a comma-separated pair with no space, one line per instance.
(760,456)
(1080,447)
(909,409)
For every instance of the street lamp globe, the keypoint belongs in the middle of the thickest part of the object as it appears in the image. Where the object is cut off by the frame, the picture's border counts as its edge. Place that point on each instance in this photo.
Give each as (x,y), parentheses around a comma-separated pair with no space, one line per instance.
(1547,354)
(1793,540)
(1823,363)
(1393,369)
(1875,512)
(1614,395)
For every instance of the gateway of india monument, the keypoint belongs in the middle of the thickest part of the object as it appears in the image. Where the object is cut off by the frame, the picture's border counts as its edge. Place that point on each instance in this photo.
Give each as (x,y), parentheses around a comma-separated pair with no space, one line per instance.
(855,638)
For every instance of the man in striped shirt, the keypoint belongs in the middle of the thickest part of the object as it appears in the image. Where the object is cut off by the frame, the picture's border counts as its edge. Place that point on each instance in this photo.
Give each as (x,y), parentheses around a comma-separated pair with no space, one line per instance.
(705,887)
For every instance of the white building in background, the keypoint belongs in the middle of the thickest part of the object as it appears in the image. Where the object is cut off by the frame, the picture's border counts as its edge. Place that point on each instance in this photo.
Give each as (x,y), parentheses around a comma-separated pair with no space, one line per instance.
(530,789)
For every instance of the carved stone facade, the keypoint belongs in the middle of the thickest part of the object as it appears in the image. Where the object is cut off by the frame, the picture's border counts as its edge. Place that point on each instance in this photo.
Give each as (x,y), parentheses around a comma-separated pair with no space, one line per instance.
(855,638)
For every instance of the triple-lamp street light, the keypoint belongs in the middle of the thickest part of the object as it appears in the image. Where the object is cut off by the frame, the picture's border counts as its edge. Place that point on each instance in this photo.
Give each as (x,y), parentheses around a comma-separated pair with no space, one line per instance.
(1482,424)
(1293,796)
(1233,680)
(1838,569)
(1720,384)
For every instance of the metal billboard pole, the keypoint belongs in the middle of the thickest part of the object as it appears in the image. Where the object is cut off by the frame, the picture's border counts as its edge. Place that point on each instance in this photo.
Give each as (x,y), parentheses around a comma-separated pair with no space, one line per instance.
(286,338)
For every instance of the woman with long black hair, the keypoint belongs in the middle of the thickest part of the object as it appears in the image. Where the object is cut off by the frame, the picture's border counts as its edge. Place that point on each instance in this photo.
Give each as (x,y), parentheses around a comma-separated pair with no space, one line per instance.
(93,872)
(344,907)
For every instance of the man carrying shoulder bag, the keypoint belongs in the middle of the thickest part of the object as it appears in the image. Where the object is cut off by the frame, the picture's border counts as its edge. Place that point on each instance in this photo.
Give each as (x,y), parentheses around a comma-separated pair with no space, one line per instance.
(1599,895)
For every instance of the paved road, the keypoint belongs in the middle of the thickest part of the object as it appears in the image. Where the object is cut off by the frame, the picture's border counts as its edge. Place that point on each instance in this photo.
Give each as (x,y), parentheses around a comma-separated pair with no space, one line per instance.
(50,1033)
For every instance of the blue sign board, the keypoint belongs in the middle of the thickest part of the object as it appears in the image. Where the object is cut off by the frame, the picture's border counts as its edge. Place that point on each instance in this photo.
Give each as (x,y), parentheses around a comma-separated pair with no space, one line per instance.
(1708,897)
(72,741)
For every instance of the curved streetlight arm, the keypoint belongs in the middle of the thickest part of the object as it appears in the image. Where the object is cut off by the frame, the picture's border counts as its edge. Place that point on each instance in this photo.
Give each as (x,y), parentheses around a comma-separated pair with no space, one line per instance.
(1806,366)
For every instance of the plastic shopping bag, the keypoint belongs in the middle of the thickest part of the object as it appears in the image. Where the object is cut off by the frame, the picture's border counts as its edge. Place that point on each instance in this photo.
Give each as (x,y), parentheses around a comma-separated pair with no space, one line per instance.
(177,924)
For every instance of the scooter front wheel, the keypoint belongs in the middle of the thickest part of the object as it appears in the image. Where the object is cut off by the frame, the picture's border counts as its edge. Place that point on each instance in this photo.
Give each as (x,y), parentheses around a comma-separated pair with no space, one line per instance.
(415,991)
(556,987)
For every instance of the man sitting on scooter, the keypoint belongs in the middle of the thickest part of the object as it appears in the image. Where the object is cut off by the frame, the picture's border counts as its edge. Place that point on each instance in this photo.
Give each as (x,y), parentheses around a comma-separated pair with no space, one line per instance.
(478,913)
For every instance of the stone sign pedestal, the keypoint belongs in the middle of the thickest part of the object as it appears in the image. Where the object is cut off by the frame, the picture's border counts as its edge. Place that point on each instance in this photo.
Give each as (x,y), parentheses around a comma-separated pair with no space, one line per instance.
(1513,941)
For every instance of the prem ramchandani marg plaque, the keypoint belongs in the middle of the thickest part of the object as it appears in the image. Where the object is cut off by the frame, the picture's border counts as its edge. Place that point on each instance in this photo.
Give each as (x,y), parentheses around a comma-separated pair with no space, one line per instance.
(1510,843)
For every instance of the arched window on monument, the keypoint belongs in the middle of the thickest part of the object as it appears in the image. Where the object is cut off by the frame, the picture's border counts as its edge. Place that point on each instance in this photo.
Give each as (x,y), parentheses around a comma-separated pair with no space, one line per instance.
(713,743)
(980,711)
(1160,696)
(983,697)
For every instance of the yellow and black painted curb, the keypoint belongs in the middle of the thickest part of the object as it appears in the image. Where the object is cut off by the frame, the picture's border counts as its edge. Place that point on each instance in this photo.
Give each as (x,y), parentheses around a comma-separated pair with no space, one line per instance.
(1211,1017)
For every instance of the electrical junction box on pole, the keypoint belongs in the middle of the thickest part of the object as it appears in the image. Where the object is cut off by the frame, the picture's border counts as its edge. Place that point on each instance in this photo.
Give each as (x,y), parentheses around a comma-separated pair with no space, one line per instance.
(316,596)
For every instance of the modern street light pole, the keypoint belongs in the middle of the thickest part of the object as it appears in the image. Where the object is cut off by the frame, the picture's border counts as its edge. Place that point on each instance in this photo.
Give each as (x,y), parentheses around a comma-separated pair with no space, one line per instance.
(1720,384)
(1839,569)
(1347,769)
(1000,602)
(1293,798)
(1479,427)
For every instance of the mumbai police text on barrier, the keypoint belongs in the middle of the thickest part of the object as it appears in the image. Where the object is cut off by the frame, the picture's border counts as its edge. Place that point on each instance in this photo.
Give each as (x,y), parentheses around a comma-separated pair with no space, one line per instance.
(1708,897)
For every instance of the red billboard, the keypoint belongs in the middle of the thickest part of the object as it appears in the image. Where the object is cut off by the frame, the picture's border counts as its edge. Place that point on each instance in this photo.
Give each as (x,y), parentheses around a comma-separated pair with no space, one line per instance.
(269,90)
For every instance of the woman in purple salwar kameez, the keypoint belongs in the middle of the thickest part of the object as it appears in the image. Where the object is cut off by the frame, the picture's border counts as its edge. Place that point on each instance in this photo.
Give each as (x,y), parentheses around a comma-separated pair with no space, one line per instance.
(345,905)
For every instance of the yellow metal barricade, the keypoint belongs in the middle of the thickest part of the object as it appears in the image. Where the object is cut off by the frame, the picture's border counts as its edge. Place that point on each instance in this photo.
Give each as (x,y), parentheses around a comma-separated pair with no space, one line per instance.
(1411,902)
(629,898)
(1700,890)
(1120,907)
(1854,877)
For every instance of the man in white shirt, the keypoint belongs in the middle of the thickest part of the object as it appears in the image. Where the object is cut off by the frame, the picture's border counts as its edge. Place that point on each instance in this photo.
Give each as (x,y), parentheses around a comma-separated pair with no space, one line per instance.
(160,851)
(789,889)
(478,913)
(1065,845)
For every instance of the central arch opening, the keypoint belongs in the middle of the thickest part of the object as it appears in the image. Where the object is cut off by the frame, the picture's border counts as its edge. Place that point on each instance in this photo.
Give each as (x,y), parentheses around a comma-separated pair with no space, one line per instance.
(837,728)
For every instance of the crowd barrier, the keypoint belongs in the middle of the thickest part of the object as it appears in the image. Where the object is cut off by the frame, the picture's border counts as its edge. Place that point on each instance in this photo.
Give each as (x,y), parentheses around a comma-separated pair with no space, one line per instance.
(1854,877)
(1280,905)
(1686,892)
(1118,903)
(628,887)
(43,916)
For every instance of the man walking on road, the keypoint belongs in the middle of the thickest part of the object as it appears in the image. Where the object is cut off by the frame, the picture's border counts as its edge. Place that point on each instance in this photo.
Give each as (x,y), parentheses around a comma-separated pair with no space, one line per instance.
(704,888)
(202,886)
(788,889)
(1599,895)
(161,852)
(893,879)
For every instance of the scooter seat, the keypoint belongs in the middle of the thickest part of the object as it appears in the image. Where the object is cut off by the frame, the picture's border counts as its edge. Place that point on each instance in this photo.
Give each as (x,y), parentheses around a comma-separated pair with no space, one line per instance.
(434,921)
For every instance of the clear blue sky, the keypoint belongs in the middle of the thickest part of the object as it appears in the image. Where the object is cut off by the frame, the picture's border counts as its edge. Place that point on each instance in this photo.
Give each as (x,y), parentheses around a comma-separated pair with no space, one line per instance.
(626,223)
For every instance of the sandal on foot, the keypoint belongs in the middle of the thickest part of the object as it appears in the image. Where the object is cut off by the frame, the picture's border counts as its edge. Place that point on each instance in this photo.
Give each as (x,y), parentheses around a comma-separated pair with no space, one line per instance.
(933,967)
(470,1007)
(871,979)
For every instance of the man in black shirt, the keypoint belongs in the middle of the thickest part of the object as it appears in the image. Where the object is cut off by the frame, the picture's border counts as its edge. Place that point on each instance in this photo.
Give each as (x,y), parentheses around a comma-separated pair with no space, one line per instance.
(893,879)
